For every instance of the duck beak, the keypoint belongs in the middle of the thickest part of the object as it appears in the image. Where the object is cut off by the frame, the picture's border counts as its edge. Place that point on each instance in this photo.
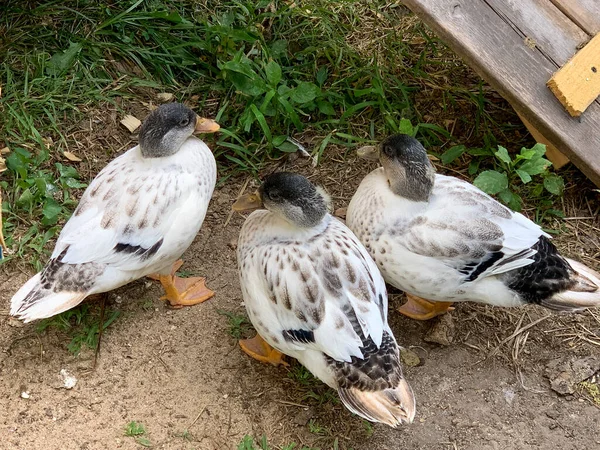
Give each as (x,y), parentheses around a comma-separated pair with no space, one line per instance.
(204,125)
(248,202)
(370,152)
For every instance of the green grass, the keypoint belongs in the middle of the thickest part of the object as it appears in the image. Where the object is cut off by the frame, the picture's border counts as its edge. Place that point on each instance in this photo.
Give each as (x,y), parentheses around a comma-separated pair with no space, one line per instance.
(309,388)
(137,431)
(81,324)
(239,325)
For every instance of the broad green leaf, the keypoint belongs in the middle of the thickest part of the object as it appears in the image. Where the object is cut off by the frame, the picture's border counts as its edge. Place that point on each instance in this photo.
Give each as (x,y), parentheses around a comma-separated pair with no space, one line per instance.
(452,153)
(246,85)
(287,147)
(511,199)
(474,166)
(480,152)
(25,199)
(325,108)
(535,166)
(525,177)
(305,92)
(63,60)
(491,182)
(273,71)
(539,149)
(502,155)
(554,184)
(406,127)
(51,210)
(278,140)
(279,48)
(526,154)
(321,76)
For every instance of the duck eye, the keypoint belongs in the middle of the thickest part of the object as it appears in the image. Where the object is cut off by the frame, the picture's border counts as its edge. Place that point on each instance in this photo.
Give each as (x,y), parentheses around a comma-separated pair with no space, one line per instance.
(274,196)
(388,150)
(184,122)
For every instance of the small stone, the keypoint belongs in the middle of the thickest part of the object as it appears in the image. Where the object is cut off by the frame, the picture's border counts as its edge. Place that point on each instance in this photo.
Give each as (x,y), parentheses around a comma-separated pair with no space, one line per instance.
(233,243)
(552,414)
(25,395)
(16,323)
(409,358)
(164,97)
(303,417)
(68,380)
(442,332)
(565,373)
(509,396)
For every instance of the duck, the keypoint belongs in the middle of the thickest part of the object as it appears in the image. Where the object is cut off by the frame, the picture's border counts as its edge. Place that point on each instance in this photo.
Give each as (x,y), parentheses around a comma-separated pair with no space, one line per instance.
(135,219)
(442,240)
(312,292)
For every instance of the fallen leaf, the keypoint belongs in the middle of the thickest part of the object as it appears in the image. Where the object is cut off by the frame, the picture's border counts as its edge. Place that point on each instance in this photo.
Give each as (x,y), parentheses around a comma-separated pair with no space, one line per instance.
(2,164)
(164,97)
(4,151)
(131,123)
(71,156)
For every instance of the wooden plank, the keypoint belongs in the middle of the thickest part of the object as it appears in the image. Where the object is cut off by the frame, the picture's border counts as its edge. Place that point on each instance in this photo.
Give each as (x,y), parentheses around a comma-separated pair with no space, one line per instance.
(519,73)
(577,84)
(557,158)
(585,13)
(543,25)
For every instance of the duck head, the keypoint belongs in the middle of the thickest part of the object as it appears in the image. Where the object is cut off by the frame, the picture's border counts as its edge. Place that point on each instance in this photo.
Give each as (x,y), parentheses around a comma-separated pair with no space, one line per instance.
(167,127)
(406,166)
(290,196)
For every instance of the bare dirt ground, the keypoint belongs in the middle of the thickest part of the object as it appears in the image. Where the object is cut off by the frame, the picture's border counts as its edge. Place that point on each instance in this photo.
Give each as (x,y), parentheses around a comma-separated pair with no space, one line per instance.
(182,374)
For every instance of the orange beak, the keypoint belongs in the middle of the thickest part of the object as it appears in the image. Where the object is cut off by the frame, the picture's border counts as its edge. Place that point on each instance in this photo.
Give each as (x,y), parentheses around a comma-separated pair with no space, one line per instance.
(204,125)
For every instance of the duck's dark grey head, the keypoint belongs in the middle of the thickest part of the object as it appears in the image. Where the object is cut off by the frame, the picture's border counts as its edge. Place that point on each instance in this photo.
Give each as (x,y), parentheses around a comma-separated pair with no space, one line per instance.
(291,196)
(406,165)
(167,127)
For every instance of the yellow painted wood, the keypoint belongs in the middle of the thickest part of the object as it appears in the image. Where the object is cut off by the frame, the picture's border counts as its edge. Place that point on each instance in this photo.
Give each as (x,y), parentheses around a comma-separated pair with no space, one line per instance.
(577,83)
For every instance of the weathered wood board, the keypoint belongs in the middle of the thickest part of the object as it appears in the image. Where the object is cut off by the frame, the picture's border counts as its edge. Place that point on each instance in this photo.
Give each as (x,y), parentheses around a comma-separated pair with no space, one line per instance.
(585,13)
(489,35)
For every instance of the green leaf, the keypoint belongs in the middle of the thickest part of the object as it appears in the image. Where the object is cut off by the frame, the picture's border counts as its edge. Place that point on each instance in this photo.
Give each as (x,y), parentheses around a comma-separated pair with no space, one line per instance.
(511,199)
(452,153)
(474,166)
(325,108)
(526,154)
(273,71)
(535,166)
(406,127)
(502,155)
(278,140)
(25,199)
(62,61)
(539,149)
(305,92)
(261,121)
(491,182)
(144,442)
(51,210)
(288,147)
(554,184)
(525,177)
(321,76)
(279,48)
(480,152)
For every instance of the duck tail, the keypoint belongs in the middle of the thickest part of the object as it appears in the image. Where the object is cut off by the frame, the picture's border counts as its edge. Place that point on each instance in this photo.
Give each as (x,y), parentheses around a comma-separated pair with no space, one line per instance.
(33,301)
(392,406)
(584,292)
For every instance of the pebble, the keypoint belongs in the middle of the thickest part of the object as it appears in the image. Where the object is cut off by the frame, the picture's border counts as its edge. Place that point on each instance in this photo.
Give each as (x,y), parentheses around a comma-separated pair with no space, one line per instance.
(25,394)
(442,332)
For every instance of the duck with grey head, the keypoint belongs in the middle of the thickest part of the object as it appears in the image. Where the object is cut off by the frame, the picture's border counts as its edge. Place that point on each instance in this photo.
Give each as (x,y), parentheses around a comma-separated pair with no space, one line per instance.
(442,240)
(313,293)
(136,218)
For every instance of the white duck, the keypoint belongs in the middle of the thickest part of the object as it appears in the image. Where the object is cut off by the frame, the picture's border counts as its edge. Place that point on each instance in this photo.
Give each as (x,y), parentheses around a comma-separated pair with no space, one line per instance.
(442,239)
(136,218)
(313,292)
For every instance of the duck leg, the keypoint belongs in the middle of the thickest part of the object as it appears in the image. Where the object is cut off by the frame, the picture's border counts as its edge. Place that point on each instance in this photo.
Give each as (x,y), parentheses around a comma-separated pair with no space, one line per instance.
(420,309)
(258,349)
(182,292)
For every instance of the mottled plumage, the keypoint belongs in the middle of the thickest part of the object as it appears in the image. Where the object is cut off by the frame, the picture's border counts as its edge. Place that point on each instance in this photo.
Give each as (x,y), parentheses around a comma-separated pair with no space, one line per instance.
(452,242)
(314,293)
(135,218)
